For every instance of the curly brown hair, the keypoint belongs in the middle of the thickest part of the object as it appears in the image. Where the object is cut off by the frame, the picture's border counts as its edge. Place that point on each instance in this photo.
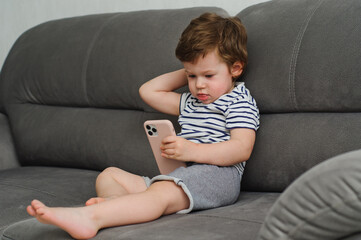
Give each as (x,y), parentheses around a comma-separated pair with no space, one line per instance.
(209,32)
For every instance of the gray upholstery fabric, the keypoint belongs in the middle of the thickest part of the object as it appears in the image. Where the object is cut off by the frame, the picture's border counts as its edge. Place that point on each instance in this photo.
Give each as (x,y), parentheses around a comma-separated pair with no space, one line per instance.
(8,158)
(304,71)
(324,203)
(54,186)
(355,236)
(288,144)
(239,221)
(73,62)
(304,55)
(64,80)
(83,137)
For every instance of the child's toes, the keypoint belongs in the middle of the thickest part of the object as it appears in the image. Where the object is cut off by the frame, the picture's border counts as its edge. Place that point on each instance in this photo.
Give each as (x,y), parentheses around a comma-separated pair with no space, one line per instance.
(90,202)
(95,200)
(38,207)
(31,211)
(37,204)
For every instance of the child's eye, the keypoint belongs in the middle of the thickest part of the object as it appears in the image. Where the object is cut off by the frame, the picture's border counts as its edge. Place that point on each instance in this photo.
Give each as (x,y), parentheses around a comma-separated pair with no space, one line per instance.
(191,76)
(209,76)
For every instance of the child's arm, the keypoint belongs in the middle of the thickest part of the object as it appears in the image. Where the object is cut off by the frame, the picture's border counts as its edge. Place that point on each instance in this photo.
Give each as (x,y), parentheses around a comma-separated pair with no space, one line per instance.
(159,92)
(237,149)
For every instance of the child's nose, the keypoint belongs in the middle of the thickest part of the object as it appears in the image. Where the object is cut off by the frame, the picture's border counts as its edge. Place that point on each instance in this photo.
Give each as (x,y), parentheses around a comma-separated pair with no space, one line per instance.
(200,83)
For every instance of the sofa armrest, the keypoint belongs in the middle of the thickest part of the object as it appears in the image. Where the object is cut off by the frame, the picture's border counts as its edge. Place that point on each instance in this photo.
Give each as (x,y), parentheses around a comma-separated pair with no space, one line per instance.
(323,203)
(8,158)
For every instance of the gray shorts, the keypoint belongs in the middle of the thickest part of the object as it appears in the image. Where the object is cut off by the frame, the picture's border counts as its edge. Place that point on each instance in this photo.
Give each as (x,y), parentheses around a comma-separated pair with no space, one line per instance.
(207,186)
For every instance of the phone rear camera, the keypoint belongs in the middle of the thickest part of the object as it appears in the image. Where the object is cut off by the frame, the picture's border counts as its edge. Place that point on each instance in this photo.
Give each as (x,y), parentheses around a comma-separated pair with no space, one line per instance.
(151,130)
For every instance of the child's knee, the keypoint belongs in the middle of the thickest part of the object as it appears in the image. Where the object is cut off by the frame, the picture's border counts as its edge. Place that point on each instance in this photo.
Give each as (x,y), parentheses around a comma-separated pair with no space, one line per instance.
(106,174)
(110,170)
(129,182)
(173,195)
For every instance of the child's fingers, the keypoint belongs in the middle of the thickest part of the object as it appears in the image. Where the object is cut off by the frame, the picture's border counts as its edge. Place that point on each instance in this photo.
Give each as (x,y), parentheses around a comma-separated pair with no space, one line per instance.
(168,152)
(167,146)
(169,139)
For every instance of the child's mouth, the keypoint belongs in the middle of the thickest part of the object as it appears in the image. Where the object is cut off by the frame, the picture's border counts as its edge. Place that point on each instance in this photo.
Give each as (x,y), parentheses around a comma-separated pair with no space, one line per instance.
(202,97)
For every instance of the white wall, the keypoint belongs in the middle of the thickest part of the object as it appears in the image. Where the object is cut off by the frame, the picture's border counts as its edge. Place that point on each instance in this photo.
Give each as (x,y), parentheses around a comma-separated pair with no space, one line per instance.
(16,16)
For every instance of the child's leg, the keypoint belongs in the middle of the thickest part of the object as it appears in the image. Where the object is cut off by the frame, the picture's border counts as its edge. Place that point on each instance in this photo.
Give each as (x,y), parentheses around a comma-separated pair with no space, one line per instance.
(114,182)
(159,199)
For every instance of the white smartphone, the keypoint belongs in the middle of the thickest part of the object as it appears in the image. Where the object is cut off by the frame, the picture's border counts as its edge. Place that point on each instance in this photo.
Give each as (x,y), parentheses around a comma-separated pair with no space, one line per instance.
(156,131)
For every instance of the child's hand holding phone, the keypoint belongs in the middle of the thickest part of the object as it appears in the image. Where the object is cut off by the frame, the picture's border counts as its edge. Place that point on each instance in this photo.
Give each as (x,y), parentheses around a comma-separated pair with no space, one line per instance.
(157,131)
(177,148)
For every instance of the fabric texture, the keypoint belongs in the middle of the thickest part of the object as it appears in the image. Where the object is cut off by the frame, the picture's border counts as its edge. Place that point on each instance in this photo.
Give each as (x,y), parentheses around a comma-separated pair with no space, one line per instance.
(207,186)
(212,123)
(324,203)
(216,224)
(304,73)
(8,157)
(56,187)
(289,144)
(70,87)
(304,55)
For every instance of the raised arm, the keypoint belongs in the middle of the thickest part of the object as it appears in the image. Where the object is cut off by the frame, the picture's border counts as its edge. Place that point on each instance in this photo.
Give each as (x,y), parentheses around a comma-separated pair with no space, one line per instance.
(159,92)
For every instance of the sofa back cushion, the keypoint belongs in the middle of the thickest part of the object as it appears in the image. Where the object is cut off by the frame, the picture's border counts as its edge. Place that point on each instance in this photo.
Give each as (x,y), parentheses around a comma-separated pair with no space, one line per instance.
(70,87)
(304,71)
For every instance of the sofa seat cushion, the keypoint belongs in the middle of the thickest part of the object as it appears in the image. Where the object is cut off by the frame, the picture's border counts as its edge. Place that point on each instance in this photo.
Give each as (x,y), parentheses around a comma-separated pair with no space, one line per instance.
(241,220)
(53,186)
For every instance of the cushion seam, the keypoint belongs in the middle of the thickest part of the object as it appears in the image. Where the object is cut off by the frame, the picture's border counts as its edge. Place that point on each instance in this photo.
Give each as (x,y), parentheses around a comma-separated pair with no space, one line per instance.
(33,189)
(295,54)
(88,53)
(229,218)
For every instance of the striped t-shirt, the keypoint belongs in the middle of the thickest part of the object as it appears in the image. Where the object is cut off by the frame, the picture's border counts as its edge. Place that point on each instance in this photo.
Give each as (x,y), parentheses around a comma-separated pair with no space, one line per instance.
(211,123)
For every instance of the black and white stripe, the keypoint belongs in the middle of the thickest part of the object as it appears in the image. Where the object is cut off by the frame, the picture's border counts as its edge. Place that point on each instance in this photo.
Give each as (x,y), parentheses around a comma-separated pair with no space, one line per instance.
(211,123)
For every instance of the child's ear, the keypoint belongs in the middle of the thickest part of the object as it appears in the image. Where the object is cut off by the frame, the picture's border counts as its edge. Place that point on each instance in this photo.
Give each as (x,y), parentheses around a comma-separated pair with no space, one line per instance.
(236,69)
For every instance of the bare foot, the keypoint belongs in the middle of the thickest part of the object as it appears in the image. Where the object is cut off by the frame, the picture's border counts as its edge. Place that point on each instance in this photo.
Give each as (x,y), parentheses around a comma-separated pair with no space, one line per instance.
(75,221)
(95,200)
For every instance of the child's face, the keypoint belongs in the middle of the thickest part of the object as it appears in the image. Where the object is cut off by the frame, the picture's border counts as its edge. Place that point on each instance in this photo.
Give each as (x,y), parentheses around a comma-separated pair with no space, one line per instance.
(209,77)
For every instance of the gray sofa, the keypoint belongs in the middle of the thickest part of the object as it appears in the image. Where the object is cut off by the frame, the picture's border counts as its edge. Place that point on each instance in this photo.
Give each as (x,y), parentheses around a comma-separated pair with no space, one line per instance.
(69,107)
